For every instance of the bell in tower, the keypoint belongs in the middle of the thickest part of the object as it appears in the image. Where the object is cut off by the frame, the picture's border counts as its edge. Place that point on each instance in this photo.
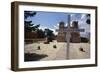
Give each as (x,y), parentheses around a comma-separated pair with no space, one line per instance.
(61,35)
(75,24)
(61,25)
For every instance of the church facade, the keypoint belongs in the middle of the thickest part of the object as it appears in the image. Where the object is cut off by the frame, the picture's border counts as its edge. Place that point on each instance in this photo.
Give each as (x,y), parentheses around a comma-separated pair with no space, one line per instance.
(75,36)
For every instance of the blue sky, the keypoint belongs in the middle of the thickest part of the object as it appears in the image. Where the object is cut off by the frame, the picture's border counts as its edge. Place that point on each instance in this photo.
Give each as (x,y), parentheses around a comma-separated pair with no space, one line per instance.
(51,20)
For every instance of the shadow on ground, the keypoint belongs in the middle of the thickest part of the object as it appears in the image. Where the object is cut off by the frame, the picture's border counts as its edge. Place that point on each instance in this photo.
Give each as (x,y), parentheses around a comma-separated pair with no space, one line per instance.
(33,57)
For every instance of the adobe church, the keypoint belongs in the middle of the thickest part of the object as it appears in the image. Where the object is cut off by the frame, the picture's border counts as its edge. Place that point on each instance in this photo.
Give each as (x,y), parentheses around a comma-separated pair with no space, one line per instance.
(75,36)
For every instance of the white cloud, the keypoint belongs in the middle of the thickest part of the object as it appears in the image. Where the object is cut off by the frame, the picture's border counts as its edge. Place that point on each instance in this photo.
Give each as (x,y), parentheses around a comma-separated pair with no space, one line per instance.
(72,15)
(84,25)
(66,24)
(83,16)
(58,24)
(42,27)
(56,27)
(54,31)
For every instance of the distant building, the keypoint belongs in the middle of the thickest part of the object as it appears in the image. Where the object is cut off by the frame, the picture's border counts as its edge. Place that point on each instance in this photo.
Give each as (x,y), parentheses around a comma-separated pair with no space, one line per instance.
(75,36)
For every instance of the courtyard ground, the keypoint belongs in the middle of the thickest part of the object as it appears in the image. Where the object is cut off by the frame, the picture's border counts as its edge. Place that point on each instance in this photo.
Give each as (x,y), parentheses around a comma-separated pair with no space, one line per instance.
(59,52)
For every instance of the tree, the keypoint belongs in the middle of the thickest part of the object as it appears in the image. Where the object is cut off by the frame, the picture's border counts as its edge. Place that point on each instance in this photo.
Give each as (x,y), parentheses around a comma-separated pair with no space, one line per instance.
(29,14)
(49,34)
(28,25)
(88,19)
(41,33)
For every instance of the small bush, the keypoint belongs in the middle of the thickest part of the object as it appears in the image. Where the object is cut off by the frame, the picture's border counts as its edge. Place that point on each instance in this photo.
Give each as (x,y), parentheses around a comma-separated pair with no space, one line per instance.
(54,46)
(38,47)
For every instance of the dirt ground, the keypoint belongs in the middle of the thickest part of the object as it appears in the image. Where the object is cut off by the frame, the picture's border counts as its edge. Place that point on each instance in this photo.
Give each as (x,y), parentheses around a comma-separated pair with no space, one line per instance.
(76,50)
